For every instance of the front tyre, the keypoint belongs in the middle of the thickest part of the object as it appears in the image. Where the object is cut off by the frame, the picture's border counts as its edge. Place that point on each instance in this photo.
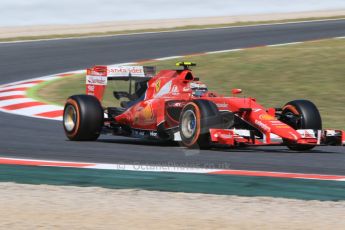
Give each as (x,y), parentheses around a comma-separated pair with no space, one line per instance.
(196,119)
(82,118)
(301,114)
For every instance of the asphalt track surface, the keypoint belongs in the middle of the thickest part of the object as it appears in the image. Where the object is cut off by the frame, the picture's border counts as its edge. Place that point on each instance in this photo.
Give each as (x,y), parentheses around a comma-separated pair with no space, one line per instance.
(25,137)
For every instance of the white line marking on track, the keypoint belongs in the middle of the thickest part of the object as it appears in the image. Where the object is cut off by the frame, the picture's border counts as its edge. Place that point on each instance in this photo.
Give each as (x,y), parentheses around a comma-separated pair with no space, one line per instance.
(169,168)
(150,168)
(168,58)
(224,51)
(285,44)
(48,78)
(121,64)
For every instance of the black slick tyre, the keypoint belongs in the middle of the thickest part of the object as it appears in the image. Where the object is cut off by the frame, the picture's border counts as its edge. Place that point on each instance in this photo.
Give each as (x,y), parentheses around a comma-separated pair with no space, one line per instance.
(82,118)
(196,118)
(301,114)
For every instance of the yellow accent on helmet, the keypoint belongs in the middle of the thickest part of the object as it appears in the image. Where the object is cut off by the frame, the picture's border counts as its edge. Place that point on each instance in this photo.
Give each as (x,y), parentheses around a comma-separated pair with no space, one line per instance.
(185,63)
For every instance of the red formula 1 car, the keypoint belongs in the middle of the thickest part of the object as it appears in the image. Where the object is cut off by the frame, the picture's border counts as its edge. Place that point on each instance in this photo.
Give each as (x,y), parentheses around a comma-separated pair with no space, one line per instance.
(175,105)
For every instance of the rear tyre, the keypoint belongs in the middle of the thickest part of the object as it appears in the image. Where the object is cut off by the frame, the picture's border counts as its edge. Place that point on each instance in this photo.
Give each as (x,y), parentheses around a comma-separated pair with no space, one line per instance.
(301,114)
(83,118)
(196,119)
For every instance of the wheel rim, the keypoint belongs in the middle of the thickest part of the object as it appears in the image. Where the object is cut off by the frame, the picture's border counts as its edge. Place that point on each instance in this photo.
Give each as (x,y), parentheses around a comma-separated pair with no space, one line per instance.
(294,120)
(70,118)
(188,124)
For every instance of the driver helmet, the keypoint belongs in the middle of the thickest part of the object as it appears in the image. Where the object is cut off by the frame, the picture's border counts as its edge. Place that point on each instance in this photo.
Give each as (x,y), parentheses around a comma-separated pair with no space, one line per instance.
(198,89)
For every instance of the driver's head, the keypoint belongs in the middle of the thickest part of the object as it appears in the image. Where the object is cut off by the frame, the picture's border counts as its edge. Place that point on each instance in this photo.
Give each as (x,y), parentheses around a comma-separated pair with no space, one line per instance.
(198,89)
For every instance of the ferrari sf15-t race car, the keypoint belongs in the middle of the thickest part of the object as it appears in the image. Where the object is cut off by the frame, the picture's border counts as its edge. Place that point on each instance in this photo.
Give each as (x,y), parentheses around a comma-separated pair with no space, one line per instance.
(174,105)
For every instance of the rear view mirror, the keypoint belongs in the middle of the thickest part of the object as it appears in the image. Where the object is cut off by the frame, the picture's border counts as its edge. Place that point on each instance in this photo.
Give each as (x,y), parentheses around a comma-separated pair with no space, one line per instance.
(236,91)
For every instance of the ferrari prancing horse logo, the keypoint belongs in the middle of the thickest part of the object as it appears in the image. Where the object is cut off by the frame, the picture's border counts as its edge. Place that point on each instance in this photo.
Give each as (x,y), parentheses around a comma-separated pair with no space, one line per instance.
(158,86)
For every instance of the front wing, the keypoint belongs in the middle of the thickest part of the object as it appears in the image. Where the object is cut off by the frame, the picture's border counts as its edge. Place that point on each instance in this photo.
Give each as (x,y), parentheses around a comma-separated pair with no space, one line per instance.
(237,137)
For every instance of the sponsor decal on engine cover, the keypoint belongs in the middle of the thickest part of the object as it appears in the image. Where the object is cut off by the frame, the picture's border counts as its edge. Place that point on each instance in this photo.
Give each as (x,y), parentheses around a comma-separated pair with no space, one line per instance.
(175,90)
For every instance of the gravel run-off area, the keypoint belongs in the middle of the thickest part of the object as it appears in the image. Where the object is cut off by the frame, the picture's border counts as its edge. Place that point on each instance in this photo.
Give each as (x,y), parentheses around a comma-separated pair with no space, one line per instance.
(68,207)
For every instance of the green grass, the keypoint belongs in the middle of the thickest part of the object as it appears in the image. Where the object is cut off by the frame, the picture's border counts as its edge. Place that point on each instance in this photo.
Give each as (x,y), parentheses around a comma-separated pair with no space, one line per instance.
(189,27)
(274,75)
(57,91)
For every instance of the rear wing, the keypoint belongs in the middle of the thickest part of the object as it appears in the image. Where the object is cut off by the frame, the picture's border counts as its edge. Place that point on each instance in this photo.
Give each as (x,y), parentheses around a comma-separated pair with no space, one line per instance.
(97,77)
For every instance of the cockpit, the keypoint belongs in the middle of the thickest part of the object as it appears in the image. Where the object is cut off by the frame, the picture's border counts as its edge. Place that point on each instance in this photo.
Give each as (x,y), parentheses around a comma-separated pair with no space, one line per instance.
(198,89)
(135,92)
(130,84)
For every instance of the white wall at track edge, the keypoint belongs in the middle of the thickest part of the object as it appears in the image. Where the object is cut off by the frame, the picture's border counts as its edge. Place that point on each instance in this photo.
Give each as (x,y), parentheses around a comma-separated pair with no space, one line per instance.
(42,12)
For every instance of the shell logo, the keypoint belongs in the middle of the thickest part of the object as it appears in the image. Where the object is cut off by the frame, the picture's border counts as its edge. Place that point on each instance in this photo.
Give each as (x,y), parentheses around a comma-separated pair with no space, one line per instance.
(144,115)
(266,117)
(147,113)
